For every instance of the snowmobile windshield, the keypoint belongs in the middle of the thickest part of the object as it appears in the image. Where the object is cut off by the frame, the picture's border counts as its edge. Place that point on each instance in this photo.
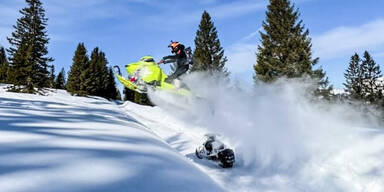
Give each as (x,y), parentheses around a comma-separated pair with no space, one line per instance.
(147,59)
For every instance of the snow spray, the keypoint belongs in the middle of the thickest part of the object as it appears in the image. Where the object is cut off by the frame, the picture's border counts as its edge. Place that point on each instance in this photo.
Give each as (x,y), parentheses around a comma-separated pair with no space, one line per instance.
(275,129)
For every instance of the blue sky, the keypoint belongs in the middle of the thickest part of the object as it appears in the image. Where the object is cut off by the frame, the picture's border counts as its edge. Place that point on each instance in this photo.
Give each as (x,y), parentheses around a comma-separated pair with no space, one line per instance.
(128,29)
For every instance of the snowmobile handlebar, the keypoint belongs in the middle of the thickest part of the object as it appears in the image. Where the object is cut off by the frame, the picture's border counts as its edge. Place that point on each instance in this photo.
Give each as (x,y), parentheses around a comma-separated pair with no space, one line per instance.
(118,69)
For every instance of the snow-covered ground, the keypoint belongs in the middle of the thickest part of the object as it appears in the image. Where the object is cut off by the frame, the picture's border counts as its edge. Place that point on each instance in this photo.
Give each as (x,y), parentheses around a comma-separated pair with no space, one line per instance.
(65,143)
(355,167)
(283,141)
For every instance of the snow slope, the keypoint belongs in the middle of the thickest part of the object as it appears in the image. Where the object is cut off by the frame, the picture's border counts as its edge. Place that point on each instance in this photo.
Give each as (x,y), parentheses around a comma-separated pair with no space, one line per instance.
(357,167)
(65,143)
(283,141)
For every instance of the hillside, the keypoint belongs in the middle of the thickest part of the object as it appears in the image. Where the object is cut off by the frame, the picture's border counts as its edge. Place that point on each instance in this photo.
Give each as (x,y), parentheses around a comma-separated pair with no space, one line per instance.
(65,143)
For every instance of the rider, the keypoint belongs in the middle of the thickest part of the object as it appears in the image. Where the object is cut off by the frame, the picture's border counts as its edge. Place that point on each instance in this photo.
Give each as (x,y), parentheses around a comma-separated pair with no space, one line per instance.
(179,57)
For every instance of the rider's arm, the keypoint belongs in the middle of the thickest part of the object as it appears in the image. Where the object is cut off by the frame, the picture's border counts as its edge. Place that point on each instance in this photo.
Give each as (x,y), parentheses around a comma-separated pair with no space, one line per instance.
(170,59)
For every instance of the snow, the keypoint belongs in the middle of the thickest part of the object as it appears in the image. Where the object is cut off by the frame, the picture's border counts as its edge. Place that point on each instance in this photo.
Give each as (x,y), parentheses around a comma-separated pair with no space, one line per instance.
(281,142)
(65,143)
(338,91)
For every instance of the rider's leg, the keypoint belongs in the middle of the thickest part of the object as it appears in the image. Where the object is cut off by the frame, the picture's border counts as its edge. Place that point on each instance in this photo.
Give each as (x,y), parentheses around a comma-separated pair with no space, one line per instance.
(178,72)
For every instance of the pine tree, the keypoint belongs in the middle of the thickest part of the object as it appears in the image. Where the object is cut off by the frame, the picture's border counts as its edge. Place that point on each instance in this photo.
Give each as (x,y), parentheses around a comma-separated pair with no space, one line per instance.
(88,84)
(324,89)
(28,60)
(95,78)
(371,73)
(118,97)
(52,77)
(111,90)
(80,63)
(60,80)
(91,76)
(208,54)
(354,78)
(3,65)
(107,86)
(286,47)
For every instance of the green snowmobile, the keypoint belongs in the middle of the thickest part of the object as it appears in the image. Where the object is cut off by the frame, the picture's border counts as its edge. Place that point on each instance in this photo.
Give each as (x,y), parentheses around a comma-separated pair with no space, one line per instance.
(147,74)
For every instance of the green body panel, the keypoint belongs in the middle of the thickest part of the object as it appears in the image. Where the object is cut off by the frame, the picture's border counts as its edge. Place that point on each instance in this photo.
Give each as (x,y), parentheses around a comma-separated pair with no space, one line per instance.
(148,71)
(128,84)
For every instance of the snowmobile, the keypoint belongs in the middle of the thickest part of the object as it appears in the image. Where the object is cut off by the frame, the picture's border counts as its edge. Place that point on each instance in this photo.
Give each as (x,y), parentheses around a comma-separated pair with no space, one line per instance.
(213,149)
(147,74)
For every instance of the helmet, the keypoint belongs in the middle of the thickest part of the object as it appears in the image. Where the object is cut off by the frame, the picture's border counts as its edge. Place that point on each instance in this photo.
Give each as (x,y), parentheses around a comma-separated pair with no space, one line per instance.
(175,46)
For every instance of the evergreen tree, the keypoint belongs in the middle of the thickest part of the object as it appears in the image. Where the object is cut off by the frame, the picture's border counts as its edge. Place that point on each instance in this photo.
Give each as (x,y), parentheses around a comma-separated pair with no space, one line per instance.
(60,80)
(111,90)
(52,77)
(95,78)
(324,89)
(354,78)
(28,60)
(80,63)
(118,97)
(371,73)
(91,76)
(286,47)
(3,65)
(208,54)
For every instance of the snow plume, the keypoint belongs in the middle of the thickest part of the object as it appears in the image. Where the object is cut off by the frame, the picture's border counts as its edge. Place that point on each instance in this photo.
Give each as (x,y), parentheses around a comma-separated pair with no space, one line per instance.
(278,131)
